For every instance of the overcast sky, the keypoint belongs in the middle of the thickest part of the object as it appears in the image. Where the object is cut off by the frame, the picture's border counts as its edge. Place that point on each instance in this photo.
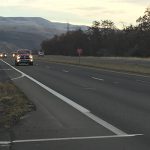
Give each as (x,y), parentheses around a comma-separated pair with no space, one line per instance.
(76,11)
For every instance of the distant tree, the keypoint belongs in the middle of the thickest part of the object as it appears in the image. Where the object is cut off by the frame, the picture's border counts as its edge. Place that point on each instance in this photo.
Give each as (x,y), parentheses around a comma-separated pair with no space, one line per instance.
(108,25)
(144,21)
(104,39)
(94,35)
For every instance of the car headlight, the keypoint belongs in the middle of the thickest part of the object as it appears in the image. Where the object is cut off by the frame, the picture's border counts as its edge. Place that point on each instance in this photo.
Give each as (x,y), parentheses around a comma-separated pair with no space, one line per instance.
(18,57)
(31,57)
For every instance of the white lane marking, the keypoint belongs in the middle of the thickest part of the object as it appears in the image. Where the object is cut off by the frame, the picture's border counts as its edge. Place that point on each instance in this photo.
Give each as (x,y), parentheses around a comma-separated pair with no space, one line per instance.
(74,105)
(65,71)
(4,143)
(125,73)
(105,124)
(72,138)
(147,82)
(88,88)
(18,77)
(5,69)
(97,79)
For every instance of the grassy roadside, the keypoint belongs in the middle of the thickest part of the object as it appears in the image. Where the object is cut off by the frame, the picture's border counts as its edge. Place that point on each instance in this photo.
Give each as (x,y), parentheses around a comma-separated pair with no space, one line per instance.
(130,65)
(13,105)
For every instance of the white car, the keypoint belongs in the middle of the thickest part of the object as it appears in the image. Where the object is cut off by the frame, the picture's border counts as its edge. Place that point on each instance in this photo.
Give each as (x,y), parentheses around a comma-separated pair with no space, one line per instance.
(40,53)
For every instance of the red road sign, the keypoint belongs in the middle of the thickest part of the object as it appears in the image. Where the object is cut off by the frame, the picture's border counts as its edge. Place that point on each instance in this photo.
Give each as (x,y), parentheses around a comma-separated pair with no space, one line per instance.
(79,51)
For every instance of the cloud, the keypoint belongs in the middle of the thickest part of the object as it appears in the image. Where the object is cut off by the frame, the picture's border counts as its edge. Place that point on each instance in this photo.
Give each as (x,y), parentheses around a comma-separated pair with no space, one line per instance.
(93,8)
(80,11)
(135,2)
(114,12)
(98,11)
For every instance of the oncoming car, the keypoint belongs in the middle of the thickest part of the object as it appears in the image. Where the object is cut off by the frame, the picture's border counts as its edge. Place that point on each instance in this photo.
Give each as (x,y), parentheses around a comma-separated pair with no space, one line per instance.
(3,55)
(23,56)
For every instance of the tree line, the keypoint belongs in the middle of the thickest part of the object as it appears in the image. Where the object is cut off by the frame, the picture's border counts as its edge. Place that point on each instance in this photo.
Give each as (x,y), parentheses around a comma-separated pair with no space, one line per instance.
(104,39)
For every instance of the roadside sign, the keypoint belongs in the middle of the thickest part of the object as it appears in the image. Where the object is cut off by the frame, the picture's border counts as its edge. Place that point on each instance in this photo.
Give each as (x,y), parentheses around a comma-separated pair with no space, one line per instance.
(79,51)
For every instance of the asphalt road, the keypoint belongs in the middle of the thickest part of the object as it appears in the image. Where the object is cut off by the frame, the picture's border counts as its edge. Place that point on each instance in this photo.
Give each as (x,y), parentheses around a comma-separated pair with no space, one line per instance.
(122,100)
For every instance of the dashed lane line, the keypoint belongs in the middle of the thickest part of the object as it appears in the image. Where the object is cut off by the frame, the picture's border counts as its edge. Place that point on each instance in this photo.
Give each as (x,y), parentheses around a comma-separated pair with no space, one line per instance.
(66,71)
(97,79)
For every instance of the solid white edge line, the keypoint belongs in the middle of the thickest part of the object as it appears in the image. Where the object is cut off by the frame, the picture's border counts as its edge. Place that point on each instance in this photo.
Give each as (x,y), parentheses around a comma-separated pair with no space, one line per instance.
(76,138)
(105,124)
(69,138)
(74,105)
(5,142)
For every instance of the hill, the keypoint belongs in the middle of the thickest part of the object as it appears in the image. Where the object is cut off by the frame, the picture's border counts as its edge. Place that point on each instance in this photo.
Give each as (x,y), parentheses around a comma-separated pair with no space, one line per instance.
(29,32)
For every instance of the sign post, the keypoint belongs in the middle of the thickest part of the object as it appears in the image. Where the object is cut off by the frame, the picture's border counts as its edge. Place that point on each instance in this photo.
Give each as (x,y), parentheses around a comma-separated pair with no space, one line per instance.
(79,51)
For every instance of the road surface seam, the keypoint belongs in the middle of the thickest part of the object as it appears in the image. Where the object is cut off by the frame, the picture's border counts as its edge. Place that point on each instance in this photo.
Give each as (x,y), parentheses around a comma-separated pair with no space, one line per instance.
(5,69)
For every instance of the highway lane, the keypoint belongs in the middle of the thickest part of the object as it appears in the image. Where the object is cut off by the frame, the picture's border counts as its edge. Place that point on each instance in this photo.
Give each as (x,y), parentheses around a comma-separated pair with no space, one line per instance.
(120,99)
(53,119)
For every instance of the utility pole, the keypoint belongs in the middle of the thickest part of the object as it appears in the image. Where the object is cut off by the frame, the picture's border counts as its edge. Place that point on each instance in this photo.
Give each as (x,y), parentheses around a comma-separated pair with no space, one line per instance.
(68,27)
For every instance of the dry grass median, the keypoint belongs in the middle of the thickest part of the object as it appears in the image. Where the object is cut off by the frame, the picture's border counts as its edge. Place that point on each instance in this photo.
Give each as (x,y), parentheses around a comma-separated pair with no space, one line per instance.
(13,105)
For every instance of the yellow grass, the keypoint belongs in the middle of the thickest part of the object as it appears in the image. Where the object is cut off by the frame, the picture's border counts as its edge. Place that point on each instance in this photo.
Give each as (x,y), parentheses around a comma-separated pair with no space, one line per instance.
(13,105)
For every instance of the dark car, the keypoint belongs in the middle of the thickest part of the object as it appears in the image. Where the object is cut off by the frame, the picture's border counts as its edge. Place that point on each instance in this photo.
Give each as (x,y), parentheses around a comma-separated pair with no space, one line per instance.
(23,56)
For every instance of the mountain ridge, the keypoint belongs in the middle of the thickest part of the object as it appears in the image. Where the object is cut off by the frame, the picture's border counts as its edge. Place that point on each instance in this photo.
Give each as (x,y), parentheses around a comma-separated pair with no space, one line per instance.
(15,30)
